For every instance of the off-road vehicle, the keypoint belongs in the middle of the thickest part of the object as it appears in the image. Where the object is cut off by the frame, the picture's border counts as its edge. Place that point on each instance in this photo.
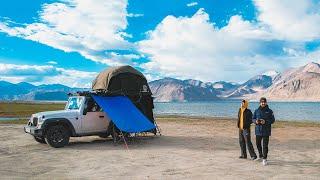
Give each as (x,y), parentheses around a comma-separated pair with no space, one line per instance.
(81,117)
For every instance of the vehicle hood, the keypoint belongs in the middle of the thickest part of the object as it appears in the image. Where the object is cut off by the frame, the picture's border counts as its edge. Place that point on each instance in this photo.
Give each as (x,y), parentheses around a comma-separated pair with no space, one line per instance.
(57,114)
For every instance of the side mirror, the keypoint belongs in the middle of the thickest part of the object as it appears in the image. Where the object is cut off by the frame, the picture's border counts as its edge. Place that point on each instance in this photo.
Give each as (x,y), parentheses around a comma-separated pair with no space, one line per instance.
(85,111)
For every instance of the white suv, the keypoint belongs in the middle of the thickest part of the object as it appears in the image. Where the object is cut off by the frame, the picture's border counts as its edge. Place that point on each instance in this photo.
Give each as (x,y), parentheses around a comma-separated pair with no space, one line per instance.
(81,117)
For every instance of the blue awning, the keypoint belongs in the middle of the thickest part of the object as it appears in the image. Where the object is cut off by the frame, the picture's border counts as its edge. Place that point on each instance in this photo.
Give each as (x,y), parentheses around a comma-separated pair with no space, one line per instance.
(124,114)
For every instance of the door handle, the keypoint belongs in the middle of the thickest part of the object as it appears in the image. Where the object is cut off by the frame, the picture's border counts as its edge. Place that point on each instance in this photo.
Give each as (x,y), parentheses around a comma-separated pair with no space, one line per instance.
(101,116)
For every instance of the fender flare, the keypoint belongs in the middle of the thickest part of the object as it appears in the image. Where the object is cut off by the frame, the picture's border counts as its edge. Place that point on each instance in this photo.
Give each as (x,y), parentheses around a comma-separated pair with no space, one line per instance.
(64,121)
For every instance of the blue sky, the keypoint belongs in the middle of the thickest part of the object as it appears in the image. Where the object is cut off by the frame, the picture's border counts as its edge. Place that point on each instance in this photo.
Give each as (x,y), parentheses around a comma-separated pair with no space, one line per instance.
(70,41)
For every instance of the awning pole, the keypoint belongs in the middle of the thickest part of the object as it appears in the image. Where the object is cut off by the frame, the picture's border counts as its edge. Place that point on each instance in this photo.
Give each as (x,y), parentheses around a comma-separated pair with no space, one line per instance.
(157,127)
(124,139)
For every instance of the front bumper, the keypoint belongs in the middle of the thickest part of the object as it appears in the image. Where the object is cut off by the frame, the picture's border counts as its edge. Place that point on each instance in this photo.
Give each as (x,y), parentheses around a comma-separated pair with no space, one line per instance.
(33,130)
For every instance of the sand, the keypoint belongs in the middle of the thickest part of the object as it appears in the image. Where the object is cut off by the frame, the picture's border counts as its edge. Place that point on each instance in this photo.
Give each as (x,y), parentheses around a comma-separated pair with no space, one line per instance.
(187,150)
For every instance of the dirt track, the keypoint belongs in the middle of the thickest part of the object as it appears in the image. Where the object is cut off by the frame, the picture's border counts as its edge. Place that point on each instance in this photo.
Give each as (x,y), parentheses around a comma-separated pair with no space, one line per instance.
(193,150)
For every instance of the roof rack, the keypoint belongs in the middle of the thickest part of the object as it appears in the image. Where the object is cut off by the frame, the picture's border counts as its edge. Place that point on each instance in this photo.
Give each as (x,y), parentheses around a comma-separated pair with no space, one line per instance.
(80,93)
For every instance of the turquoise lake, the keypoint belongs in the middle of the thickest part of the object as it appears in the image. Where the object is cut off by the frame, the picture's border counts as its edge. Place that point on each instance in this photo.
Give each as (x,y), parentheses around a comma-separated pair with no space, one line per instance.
(289,111)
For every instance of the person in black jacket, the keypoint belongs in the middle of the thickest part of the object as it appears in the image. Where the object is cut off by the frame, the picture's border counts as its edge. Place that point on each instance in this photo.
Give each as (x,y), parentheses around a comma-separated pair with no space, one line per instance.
(263,118)
(244,122)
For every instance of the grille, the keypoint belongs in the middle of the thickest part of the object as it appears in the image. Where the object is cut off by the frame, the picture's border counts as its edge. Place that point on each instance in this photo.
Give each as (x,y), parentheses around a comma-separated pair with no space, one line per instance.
(35,121)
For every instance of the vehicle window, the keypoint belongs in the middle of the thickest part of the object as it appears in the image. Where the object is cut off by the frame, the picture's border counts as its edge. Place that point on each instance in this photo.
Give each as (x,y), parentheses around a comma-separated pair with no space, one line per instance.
(74,103)
(92,106)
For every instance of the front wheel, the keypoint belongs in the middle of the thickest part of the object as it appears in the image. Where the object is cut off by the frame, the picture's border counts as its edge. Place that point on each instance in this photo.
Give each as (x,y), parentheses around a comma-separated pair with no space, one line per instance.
(57,136)
(40,139)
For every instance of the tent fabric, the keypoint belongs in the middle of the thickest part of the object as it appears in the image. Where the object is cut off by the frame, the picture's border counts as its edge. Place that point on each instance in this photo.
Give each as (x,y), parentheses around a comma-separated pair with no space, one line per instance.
(124,114)
(103,79)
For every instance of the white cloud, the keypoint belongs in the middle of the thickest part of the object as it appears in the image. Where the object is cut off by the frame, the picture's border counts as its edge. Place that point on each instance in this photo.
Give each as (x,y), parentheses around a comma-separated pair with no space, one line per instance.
(89,28)
(52,62)
(293,20)
(135,15)
(72,78)
(246,29)
(194,48)
(47,74)
(27,70)
(192,4)
(184,47)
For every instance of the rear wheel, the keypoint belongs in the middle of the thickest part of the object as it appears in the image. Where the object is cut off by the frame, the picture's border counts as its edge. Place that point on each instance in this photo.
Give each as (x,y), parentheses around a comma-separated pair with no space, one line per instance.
(115,133)
(57,136)
(40,139)
(104,135)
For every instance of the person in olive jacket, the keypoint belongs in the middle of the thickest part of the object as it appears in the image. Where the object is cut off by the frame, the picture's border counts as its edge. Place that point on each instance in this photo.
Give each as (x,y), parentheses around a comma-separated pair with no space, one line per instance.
(263,118)
(244,122)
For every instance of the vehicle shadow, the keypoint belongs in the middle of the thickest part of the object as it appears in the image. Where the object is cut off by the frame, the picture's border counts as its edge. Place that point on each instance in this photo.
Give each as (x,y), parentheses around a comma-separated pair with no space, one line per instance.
(158,142)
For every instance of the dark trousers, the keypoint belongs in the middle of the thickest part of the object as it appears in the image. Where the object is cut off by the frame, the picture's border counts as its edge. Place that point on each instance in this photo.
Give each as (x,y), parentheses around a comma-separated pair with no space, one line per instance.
(245,140)
(263,151)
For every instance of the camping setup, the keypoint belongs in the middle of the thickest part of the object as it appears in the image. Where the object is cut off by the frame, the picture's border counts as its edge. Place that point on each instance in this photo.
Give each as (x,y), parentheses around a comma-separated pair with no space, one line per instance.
(124,94)
(120,104)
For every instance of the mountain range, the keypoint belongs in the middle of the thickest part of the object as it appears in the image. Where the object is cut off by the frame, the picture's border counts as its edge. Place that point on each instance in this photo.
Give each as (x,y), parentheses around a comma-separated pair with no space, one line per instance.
(28,92)
(296,84)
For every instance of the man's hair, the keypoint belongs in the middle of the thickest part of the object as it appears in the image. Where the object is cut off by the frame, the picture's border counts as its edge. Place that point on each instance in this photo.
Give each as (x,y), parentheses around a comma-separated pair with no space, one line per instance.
(263,99)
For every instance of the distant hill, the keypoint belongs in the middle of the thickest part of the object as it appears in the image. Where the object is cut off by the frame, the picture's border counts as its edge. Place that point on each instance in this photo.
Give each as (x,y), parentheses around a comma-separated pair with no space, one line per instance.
(223,88)
(256,84)
(170,89)
(29,92)
(301,83)
(174,90)
(294,84)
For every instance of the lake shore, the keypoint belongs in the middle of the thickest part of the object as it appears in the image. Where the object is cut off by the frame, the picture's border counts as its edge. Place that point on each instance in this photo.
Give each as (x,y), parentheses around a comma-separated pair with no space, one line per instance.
(285,112)
(188,119)
(189,148)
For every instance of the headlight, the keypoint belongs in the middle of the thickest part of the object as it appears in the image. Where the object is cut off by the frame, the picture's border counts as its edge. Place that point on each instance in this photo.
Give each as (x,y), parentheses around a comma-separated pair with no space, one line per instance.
(40,119)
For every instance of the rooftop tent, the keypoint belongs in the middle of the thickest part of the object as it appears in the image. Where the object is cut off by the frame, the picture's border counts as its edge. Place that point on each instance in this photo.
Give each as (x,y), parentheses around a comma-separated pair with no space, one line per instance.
(124,114)
(121,80)
(129,82)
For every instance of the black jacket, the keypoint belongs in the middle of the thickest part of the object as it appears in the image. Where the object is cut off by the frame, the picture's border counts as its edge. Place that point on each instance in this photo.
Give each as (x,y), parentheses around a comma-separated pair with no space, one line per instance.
(247,118)
(267,114)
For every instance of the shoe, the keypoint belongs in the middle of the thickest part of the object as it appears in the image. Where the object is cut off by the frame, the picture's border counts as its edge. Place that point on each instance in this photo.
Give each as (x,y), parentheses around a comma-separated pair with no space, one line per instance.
(254,158)
(264,162)
(258,159)
(242,157)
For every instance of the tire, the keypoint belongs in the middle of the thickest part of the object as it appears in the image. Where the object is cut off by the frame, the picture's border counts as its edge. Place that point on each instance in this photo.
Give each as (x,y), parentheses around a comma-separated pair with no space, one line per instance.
(115,134)
(106,135)
(109,131)
(40,139)
(57,136)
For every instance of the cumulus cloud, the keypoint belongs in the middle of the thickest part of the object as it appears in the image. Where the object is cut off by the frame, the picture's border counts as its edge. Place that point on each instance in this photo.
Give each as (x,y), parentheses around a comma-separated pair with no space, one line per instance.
(72,78)
(293,20)
(27,70)
(192,4)
(192,47)
(87,27)
(46,74)
(183,47)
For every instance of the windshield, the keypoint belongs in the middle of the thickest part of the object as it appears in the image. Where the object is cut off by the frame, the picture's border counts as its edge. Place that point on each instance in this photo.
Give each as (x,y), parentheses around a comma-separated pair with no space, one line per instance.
(74,103)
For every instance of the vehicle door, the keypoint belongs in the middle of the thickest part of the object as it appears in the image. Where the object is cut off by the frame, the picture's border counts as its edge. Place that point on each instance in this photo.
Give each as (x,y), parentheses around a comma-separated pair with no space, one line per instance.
(94,119)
